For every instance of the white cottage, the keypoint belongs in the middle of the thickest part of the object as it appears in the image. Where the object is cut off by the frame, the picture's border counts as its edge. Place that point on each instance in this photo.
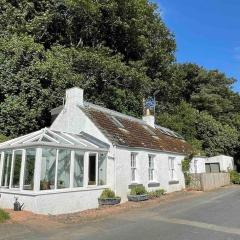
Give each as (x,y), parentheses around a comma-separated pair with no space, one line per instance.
(88,148)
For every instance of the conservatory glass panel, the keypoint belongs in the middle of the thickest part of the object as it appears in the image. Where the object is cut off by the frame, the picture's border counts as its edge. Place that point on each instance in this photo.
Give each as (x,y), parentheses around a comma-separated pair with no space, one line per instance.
(48,168)
(78,169)
(17,162)
(64,159)
(102,169)
(29,169)
(7,163)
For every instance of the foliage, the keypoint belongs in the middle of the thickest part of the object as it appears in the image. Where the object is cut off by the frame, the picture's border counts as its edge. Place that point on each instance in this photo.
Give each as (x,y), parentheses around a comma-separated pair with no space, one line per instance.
(234,177)
(185,168)
(107,193)
(138,190)
(3,216)
(156,194)
(3,138)
(120,52)
(203,130)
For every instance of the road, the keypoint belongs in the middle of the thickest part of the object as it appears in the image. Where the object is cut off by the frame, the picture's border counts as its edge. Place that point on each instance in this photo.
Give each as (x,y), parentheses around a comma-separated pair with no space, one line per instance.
(211,216)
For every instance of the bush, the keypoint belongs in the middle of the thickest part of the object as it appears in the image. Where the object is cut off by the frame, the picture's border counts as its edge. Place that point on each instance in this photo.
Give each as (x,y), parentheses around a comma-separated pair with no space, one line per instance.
(138,190)
(107,193)
(156,194)
(3,215)
(234,177)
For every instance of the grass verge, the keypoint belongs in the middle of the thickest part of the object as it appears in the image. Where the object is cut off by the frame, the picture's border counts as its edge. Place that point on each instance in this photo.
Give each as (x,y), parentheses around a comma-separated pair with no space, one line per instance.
(3,216)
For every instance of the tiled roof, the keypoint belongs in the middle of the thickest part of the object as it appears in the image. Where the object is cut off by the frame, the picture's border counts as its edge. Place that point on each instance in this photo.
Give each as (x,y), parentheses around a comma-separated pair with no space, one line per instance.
(128,131)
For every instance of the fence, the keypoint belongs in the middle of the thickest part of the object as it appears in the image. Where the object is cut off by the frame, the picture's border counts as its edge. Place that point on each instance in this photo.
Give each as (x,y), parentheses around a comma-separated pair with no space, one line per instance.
(208,181)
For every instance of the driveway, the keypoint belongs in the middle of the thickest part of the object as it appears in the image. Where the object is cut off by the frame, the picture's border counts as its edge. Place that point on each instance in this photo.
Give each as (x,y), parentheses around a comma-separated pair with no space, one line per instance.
(210,215)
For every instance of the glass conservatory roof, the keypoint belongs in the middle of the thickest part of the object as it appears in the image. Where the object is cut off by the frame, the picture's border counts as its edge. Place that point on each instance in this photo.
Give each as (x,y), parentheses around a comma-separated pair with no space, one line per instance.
(48,137)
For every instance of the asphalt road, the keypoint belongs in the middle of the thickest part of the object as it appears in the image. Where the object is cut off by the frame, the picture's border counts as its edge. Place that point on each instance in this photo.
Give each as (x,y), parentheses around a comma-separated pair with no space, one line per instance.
(210,216)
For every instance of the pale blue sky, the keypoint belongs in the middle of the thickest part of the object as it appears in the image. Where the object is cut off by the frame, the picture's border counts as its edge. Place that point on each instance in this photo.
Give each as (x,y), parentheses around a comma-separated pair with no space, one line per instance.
(206,32)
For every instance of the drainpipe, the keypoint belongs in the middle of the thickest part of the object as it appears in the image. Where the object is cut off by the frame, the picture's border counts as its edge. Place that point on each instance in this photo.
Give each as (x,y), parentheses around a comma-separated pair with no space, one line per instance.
(115,168)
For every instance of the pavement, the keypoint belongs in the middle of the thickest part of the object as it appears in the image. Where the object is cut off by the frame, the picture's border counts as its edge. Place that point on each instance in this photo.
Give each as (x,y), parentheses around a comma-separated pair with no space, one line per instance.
(211,215)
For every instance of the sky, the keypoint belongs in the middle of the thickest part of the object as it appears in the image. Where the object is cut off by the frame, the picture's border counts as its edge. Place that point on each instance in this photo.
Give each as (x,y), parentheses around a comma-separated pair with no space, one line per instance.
(207,33)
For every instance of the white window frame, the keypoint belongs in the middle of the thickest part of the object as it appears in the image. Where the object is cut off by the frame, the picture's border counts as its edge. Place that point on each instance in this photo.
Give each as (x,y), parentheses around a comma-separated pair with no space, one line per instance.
(151,168)
(133,165)
(171,164)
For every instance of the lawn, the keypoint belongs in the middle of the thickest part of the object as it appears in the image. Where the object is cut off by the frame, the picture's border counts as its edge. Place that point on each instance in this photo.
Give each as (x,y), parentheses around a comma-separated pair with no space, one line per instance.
(3,216)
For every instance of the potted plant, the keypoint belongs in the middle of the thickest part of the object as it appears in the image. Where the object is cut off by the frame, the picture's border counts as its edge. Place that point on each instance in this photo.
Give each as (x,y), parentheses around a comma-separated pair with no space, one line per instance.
(137,194)
(108,198)
(44,185)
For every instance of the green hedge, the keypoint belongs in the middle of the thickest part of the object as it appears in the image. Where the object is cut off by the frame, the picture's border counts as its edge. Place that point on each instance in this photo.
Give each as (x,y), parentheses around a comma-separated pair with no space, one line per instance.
(234,177)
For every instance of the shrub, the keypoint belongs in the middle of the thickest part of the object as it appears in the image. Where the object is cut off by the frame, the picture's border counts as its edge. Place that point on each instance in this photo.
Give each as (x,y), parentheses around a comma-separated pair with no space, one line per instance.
(138,190)
(157,193)
(107,193)
(234,177)
(3,215)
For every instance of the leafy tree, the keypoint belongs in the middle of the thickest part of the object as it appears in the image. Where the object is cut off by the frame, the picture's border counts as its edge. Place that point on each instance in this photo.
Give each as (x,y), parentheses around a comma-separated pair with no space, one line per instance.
(202,130)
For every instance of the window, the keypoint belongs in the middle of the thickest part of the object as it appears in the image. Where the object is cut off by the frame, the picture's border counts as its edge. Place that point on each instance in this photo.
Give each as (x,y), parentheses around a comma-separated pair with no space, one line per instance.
(29,169)
(133,167)
(48,168)
(117,122)
(7,162)
(17,162)
(150,167)
(171,162)
(102,169)
(149,130)
(78,169)
(92,169)
(63,173)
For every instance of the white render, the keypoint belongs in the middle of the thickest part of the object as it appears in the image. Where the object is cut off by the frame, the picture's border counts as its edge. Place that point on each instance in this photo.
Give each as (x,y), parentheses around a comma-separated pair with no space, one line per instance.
(197,164)
(73,120)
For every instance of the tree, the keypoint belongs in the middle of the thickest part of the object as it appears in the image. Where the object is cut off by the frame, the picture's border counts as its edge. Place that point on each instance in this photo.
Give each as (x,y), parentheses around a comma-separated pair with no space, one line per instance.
(118,51)
(202,130)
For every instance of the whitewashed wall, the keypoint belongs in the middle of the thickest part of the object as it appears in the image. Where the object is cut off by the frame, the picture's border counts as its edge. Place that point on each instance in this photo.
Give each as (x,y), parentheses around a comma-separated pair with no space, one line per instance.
(54,202)
(197,165)
(162,174)
(225,162)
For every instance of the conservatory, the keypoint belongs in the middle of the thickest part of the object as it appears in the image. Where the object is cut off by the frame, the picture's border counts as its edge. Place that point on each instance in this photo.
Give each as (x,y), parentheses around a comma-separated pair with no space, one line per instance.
(53,172)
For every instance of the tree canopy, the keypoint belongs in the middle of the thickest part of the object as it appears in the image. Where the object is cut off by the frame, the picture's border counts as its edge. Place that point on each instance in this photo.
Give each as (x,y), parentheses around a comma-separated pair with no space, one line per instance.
(120,52)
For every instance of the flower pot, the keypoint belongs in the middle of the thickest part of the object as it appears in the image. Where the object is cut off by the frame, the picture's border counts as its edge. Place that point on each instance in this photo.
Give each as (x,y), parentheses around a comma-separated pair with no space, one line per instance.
(138,198)
(109,201)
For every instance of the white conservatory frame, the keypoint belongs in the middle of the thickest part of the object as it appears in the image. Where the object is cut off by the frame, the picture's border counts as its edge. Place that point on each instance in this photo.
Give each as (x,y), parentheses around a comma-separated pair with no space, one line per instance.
(49,139)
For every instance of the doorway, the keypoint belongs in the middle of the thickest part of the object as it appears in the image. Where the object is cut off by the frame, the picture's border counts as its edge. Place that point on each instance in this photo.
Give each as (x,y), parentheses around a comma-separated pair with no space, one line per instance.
(92,169)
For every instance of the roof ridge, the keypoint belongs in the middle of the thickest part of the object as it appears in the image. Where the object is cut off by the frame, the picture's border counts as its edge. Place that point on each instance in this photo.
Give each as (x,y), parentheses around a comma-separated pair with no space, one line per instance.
(113,112)
(119,114)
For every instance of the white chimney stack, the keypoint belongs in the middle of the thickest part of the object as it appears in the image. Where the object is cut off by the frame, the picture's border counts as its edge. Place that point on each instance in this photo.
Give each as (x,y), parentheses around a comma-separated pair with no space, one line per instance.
(74,96)
(149,119)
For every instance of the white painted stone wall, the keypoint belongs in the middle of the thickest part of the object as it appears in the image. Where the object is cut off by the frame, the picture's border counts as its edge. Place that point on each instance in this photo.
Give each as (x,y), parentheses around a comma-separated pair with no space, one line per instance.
(54,202)
(197,165)
(226,163)
(161,173)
